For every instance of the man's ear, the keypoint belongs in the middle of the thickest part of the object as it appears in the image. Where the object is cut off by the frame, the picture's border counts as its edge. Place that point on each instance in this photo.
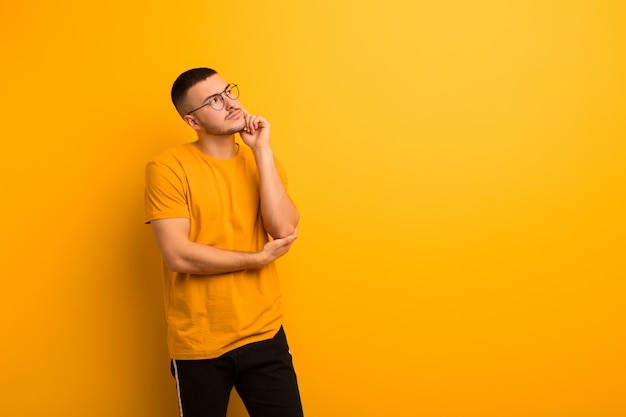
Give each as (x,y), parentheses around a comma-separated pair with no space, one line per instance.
(192,122)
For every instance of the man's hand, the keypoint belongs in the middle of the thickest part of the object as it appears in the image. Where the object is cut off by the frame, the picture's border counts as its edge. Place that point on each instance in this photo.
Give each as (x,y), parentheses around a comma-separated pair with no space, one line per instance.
(256,133)
(276,248)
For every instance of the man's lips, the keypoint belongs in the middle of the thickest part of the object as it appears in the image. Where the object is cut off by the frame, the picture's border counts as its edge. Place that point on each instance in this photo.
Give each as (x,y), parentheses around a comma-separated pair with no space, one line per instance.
(233,114)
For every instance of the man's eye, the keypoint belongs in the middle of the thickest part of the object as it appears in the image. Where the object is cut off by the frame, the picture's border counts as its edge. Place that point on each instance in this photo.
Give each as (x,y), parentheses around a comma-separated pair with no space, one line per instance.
(213,100)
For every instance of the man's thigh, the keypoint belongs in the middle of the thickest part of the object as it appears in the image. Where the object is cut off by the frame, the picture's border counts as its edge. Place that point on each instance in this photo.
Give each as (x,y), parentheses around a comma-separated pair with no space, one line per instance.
(266,380)
(204,386)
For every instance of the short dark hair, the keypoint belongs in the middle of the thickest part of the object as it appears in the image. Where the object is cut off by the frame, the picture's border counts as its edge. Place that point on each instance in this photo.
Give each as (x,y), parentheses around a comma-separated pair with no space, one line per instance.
(185,81)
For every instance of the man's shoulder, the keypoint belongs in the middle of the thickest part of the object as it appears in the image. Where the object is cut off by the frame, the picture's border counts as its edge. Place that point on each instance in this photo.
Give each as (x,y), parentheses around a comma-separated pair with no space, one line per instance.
(174,154)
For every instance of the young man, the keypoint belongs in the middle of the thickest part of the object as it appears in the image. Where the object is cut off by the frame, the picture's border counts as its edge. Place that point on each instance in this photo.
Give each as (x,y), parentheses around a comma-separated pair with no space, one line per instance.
(212,204)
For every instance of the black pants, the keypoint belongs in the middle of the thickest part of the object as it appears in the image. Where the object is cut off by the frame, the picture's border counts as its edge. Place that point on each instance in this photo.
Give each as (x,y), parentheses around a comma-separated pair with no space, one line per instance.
(261,372)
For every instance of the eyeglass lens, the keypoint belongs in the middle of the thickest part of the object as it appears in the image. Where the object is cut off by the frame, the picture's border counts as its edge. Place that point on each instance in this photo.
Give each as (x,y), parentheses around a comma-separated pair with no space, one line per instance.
(217,102)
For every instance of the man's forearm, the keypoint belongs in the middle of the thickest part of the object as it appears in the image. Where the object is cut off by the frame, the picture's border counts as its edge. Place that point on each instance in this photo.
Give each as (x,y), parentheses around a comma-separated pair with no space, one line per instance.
(196,258)
(183,255)
(280,215)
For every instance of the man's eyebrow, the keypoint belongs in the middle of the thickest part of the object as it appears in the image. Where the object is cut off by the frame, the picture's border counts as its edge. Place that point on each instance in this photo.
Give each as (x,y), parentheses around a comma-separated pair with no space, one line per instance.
(216,94)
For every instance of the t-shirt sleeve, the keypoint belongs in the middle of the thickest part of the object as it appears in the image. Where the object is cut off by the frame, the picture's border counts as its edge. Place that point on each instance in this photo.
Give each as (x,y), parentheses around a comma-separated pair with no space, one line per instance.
(165,193)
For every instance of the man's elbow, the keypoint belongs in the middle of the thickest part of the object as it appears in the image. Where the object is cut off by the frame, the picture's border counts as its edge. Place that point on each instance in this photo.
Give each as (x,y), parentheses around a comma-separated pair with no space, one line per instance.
(176,263)
(282,231)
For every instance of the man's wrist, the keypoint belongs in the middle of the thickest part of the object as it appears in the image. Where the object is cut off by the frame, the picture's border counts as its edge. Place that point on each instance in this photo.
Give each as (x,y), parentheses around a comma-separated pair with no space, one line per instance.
(258,260)
(263,151)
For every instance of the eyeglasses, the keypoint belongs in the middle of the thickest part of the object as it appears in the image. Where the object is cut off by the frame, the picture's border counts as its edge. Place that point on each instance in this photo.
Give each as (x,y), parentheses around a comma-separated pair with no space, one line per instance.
(216,101)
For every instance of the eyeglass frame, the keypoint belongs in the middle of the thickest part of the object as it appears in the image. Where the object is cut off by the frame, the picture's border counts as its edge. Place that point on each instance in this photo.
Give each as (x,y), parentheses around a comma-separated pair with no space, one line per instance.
(229,86)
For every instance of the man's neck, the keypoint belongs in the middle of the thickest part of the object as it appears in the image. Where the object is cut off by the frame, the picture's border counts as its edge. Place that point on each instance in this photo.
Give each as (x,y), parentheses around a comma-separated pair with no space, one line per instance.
(219,147)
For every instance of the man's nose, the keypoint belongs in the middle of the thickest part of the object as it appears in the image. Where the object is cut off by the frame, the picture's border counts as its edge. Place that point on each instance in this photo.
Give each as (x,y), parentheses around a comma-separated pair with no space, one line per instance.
(229,103)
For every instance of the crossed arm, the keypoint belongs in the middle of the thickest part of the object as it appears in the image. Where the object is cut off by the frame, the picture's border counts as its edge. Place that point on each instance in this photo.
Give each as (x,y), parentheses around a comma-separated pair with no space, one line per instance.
(182,255)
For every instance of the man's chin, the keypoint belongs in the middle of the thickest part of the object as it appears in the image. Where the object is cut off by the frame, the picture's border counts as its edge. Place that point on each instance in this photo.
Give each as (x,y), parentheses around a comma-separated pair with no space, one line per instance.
(238,129)
(226,131)
(233,131)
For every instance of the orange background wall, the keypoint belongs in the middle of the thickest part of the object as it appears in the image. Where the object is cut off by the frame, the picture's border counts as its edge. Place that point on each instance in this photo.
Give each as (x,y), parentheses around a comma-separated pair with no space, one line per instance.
(459,167)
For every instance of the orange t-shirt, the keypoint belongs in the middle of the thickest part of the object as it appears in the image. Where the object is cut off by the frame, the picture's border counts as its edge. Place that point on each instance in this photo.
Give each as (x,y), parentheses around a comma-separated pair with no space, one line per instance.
(209,315)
